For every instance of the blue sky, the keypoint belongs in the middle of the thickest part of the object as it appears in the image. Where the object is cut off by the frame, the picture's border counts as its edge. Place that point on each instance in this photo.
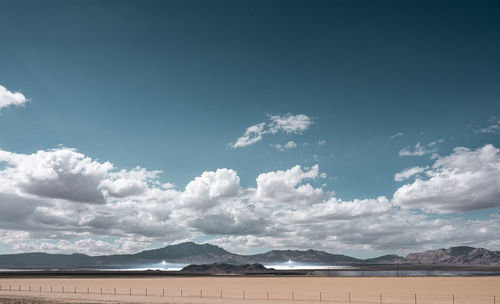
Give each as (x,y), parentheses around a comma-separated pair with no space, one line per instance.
(170,86)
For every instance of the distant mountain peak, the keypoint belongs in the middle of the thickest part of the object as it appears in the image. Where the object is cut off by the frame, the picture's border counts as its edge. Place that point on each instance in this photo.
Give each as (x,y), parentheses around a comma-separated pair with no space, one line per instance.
(206,253)
(459,250)
(457,256)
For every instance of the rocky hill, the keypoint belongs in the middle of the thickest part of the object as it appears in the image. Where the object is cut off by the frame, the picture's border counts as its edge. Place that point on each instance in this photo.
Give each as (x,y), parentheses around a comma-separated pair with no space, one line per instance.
(226,268)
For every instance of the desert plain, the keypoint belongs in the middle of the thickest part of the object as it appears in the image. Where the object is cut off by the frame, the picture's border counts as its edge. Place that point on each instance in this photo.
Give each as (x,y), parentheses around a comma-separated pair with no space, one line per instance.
(238,289)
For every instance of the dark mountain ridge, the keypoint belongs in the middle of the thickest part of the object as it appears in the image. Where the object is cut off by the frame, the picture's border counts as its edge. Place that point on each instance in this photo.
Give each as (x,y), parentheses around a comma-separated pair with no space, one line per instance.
(226,268)
(192,253)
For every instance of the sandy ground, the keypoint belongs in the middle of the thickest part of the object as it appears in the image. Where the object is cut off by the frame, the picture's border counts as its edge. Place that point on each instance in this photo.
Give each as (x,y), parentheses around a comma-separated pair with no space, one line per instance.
(252,290)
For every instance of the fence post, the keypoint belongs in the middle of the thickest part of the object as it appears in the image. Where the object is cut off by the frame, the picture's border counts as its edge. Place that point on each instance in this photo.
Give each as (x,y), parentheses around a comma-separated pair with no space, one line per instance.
(201,294)
(19,287)
(10,287)
(221,294)
(244,295)
(75,289)
(130,291)
(320,296)
(494,300)
(101,290)
(268,295)
(146,291)
(63,289)
(415,298)
(29,289)
(181,292)
(380,298)
(163,292)
(50,288)
(115,291)
(349,297)
(88,291)
(453,299)
(293,298)
(40,289)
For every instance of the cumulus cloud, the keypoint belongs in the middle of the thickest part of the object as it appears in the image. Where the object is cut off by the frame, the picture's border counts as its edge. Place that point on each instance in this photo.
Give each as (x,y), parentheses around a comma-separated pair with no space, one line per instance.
(205,190)
(283,186)
(287,124)
(69,175)
(463,181)
(128,210)
(61,173)
(8,98)
(407,173)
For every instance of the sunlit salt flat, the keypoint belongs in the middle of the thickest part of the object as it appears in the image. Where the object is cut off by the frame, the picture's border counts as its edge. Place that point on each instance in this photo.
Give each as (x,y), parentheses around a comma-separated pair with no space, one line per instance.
(291,265)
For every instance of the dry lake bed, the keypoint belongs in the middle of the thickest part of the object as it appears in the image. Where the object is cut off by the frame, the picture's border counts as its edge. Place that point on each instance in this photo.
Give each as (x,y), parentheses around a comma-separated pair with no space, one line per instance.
(236,289)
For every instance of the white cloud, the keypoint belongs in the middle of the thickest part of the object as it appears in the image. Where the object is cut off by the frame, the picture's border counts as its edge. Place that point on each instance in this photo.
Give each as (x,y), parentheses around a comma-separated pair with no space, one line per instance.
(436,142)
(61,173)
(131,209)
(287,123)
(205,190)
(397,135)
(252,135)
(322,142)
(282,186)
(494,126)
(419,149)
(66,174)
(407,173)
(8,98)
(463,181)
(87,246)
(288,145)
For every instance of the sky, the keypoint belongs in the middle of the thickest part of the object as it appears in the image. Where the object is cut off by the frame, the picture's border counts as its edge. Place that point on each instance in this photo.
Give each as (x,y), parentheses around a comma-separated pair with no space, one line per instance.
(354,127)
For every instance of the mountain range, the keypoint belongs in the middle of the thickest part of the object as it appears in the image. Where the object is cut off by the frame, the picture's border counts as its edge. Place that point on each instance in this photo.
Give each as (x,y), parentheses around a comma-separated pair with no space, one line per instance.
(192,253)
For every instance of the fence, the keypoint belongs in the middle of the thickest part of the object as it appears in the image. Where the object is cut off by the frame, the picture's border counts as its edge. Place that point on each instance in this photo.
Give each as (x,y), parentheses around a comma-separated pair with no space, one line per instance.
(221,295)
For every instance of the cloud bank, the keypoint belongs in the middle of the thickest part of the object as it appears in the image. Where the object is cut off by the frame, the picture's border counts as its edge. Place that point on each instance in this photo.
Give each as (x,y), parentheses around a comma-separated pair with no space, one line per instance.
(63,201)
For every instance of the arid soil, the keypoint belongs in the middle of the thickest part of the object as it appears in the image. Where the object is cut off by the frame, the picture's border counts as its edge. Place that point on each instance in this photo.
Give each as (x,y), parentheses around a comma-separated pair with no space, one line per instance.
(253,290)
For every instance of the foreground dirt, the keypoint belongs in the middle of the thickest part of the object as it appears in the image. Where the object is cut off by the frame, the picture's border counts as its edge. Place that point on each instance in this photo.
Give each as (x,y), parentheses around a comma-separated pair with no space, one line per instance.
(31,300)
(253,290)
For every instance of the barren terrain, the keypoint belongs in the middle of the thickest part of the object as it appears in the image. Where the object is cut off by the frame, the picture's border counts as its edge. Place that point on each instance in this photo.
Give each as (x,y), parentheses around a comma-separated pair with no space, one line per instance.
(227,289)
